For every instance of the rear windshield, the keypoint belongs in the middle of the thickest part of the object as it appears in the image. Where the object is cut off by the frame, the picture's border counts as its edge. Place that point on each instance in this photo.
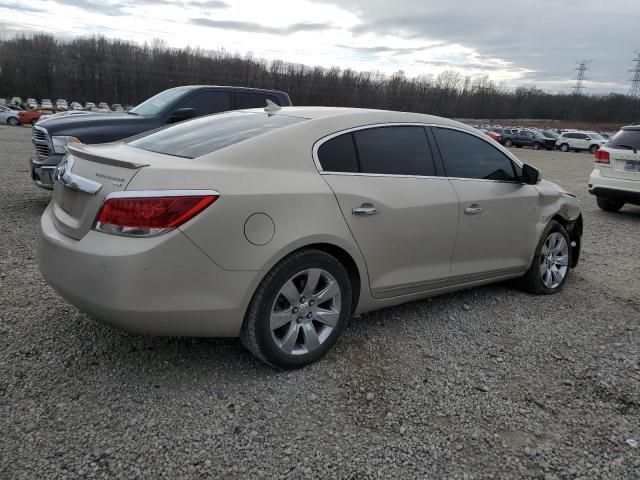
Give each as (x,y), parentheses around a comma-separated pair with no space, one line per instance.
(625,139)
(205,135)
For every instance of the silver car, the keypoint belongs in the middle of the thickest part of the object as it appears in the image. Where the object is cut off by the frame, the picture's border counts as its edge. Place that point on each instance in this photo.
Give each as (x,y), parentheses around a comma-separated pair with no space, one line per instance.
(8,116)
(277,225)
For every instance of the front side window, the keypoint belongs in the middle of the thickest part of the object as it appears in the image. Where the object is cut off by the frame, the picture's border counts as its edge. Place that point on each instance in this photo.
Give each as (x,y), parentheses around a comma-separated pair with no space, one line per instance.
(157,103)
(205,135)
(467,156)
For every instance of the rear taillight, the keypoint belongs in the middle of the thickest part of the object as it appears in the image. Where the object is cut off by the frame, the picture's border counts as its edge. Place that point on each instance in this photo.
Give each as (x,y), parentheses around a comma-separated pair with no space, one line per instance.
(602,156)
(146,214)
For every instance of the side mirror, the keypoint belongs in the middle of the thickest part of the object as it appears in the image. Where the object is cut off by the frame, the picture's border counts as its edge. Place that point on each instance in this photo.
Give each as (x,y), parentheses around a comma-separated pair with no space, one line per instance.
(182,114)
(530,175)
(588,138)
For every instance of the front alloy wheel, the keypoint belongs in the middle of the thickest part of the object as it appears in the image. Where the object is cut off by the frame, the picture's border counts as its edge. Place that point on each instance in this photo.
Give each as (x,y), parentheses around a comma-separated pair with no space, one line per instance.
(554,260)
(551,262)
(564,147)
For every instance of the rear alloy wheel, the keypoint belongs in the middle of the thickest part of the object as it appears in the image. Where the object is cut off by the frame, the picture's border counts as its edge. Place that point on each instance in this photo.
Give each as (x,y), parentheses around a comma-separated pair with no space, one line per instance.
(13,121)
(564,147)
(299,310)
(609,205)
(593,148)
(551,263)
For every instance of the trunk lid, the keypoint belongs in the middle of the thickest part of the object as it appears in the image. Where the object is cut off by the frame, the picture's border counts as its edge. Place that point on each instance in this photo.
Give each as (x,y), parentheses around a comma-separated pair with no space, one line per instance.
(86,177)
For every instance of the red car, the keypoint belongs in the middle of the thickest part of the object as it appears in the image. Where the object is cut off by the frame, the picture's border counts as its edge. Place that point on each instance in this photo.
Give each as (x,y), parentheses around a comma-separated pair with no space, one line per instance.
(27,117)
(496,136)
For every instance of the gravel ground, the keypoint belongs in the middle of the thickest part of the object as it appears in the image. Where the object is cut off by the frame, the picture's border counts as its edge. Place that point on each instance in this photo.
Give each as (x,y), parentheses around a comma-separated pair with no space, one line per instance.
(484,383)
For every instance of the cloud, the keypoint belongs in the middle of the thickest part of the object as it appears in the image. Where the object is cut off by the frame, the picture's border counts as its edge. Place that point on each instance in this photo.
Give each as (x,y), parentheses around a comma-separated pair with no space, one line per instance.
(104,8)
(542,38)
(252,27)
(119,8)
(391,50)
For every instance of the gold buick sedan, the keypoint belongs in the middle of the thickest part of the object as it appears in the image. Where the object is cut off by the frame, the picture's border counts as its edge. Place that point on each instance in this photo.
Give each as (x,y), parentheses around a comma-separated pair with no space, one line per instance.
(277,225)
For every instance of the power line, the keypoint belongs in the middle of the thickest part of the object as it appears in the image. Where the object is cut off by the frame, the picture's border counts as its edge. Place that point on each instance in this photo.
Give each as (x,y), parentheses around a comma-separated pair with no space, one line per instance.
(634,91)
(581,69)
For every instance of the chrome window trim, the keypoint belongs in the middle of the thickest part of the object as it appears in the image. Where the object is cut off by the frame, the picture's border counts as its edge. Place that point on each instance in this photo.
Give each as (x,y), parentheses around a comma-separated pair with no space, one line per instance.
(479,135)
(159,193)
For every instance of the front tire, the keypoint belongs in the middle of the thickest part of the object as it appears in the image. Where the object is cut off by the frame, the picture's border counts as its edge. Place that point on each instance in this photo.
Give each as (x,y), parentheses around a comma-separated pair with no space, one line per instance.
(298,311)
(550,267)
(564,147)
(536,146)
(609,205)
(13,121)
(508,142)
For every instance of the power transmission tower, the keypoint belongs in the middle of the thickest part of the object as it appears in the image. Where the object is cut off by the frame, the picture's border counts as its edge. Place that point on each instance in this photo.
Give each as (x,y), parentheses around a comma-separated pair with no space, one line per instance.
(581,69)
(634,91)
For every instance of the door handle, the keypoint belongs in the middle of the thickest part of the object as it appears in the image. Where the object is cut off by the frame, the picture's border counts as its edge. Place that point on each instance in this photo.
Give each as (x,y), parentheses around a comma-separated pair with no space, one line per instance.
(364,210)
(473,209)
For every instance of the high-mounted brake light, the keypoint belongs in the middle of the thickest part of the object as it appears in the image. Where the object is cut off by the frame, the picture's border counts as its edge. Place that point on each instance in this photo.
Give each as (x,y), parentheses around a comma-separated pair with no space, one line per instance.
(146,214)
(602,156)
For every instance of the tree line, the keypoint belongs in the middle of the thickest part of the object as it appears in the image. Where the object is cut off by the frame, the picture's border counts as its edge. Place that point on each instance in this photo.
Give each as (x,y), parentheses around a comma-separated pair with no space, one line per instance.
(115,71)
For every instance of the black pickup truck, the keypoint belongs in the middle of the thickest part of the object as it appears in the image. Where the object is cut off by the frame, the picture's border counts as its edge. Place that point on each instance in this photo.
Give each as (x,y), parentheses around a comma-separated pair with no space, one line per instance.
(51,136)
(528,138)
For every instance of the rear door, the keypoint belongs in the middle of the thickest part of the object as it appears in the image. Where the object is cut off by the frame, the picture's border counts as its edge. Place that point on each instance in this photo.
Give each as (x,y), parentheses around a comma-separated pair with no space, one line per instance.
(402,214)
(496,233)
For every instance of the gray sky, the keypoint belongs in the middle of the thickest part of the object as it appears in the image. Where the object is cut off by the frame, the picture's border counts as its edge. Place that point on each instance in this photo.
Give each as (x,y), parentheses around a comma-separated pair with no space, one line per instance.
(518,42)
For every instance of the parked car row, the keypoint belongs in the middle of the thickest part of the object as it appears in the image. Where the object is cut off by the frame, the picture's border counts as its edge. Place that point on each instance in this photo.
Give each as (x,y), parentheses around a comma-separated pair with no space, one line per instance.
(563,140)
(61,105)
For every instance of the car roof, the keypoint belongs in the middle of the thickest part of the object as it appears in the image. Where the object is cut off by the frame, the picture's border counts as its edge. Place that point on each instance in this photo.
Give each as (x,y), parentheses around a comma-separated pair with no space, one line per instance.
(632,128)
(230,87)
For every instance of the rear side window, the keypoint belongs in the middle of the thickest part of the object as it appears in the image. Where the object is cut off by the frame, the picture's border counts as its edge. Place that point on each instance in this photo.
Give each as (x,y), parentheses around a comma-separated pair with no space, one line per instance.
(205,135)
(254,100)
(338,154)
(467,156)
(625,139)
(205,103)
(402,150)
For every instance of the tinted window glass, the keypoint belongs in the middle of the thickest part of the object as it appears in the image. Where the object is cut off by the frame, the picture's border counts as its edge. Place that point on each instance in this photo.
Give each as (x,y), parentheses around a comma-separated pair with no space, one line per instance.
(254,100)
(625,139)
(394,151)
(467,156)
(338,154)
(204,135)
(205,103)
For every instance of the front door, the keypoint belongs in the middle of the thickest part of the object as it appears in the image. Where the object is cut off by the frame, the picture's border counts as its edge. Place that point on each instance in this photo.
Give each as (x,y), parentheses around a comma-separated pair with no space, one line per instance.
(496,234)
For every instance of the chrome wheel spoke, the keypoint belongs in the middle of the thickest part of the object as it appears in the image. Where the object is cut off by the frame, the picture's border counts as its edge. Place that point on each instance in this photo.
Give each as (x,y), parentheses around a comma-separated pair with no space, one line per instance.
(313,277)
(328,317)
(562,260)
(548,280)
(281,318)
(330,291)
(311,340)
(290,292)
(289,340)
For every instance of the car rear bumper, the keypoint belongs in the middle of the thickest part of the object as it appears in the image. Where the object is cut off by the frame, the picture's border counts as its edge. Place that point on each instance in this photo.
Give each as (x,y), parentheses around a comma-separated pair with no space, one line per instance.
(161,285)
(42,170)
(623,190)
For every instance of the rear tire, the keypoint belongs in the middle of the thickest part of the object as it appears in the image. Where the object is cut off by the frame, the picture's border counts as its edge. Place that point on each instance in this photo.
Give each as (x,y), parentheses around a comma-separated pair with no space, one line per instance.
(508,142)
(536,146)
(298,311)
(551,262)
(564,147)
(609,205)
(13,121)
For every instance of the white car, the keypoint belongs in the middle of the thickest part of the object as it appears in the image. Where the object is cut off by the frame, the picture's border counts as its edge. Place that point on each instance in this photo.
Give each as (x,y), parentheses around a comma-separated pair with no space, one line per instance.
(32,103)
(8,116)
(615,179)
(62,105)
(580,141)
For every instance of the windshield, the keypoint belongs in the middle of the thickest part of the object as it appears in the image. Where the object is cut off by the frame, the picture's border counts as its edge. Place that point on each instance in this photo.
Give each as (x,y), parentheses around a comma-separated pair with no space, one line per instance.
(205,135)
(156,104)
